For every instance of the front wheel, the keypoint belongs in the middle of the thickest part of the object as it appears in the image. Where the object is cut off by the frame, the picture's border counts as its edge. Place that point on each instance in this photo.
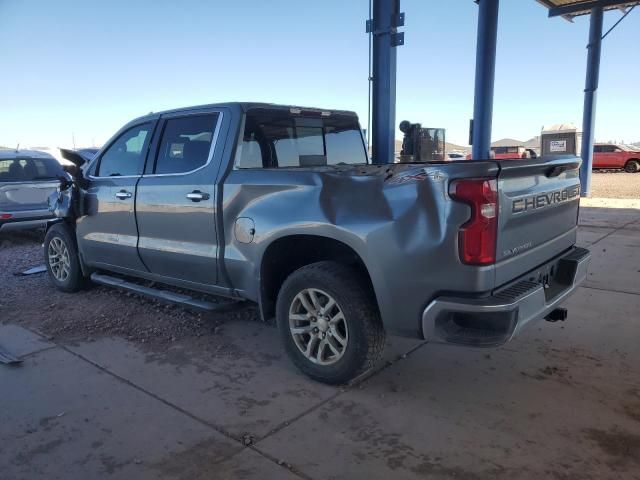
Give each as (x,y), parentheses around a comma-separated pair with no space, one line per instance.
(329,323)
(61,259)
(632,166)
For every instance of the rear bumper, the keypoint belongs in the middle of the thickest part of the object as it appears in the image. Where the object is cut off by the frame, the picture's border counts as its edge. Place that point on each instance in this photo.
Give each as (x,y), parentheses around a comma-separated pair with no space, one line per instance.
(494,320)
(26,219)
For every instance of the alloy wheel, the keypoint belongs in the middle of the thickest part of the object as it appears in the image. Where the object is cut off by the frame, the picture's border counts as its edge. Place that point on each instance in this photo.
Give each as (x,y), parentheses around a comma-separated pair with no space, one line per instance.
(59,260)
(318,326)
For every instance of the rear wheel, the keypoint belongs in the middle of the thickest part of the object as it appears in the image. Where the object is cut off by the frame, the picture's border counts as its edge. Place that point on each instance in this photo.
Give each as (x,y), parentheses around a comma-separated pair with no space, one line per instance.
(329,323)
(61,258)
(632,166)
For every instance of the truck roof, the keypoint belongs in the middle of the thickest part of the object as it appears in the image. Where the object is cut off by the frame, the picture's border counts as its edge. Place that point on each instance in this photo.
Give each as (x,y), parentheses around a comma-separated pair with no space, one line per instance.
(244,106)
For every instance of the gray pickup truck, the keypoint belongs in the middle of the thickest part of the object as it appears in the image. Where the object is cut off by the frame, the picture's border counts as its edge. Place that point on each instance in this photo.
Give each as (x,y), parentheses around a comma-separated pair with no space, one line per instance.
(281,206)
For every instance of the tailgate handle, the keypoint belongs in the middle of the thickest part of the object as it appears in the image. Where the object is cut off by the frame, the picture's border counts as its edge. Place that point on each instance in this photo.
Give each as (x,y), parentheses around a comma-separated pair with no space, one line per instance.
(555,171)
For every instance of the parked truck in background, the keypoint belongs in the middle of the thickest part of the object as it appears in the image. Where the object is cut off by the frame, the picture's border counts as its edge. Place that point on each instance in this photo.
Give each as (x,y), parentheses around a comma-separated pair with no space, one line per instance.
(616,156)
(281,206)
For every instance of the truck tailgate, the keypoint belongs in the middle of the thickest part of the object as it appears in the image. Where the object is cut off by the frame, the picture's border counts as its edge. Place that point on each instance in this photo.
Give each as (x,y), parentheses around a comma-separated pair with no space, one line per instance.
(539,201)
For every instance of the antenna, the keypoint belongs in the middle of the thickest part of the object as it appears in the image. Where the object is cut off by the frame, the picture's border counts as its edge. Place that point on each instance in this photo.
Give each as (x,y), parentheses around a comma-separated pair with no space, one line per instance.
(18,147)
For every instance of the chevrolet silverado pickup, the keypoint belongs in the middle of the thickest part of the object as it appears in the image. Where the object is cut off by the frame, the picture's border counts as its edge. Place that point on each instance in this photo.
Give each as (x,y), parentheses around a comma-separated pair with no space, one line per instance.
(281,206)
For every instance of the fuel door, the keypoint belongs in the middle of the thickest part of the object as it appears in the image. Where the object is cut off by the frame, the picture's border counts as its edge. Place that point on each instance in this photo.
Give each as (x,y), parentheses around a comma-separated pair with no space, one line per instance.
(244,229)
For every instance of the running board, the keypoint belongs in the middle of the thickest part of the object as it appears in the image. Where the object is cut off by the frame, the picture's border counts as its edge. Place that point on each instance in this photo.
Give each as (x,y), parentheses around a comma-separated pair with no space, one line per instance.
(164,295)
(8,358)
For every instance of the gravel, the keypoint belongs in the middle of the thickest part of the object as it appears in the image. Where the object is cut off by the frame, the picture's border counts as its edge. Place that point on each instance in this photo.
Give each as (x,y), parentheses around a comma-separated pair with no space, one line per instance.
(615,184)
(99,311)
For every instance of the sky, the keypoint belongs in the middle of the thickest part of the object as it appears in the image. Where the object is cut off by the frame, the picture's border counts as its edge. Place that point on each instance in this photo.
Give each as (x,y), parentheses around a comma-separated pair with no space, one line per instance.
(79,70)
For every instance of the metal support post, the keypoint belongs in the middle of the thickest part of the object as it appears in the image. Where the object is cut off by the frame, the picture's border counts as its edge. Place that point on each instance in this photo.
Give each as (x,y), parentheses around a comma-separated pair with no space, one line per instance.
(590,94)
(485,78)
(383,27)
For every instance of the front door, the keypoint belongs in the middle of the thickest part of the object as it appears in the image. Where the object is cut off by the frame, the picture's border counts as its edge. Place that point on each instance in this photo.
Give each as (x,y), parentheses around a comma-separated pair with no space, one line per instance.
(176,199)
(107,233)
(605,157)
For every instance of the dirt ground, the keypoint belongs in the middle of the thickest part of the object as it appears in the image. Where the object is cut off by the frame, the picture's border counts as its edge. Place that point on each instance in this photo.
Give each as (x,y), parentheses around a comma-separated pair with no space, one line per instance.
(98,311)
(615,184)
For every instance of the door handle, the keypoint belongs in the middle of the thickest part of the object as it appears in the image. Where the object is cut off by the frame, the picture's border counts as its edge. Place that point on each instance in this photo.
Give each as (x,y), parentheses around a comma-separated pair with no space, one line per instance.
(197,195)
(122,194)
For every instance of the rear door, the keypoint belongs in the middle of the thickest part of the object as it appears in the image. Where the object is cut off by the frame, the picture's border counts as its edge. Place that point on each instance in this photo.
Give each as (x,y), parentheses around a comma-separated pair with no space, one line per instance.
(25,186)
(176,199)
(107,233)
(538,213)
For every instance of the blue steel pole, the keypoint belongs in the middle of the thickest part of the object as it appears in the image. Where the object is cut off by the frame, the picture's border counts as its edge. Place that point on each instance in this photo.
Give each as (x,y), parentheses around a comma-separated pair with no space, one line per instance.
(590,94)
(384,81)
(485,78)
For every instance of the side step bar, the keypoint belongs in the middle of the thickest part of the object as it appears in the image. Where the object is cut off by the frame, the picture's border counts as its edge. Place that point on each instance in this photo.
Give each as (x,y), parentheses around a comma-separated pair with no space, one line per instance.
(164,295)
(8,358)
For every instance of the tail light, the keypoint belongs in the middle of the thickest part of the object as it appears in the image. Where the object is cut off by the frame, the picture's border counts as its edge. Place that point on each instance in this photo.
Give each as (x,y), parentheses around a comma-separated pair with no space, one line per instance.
(477,238)
(5,216)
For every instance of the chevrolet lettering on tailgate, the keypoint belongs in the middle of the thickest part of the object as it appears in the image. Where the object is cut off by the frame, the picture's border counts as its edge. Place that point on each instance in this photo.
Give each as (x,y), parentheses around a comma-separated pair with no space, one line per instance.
(542,200)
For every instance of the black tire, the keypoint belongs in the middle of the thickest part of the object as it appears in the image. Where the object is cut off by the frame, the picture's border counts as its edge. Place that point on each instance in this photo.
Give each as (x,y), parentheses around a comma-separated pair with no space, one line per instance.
(366,336)
(61,234)
(632,166)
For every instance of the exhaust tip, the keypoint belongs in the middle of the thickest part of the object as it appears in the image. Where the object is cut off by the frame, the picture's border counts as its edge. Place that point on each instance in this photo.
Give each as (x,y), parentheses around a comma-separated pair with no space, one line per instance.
(557,314)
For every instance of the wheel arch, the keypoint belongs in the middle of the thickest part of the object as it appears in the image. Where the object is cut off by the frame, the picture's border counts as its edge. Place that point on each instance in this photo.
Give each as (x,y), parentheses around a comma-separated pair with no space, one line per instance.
(286,254)
(70,226)
(636,160)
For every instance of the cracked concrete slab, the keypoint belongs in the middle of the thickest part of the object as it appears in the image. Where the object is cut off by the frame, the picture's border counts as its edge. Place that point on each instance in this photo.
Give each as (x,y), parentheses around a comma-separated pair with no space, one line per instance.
(561,401)
(253,390)
(589,235)
(527,410)
(20,341)
(614,262)
(248,464)
(62,418)
(608,212)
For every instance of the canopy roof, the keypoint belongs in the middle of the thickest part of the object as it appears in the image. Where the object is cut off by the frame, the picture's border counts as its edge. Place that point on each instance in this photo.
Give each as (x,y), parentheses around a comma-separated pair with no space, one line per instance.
(573,8)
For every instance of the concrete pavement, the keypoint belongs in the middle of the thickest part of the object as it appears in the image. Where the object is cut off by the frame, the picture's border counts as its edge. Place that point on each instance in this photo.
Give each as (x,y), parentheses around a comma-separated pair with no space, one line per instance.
(561,401)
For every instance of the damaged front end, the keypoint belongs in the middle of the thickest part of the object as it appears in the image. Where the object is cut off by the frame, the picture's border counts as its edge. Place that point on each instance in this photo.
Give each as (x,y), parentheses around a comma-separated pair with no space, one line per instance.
(66,202)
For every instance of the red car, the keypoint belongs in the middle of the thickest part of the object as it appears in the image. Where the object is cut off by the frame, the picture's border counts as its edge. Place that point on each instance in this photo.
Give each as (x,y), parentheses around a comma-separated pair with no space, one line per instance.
(616,156)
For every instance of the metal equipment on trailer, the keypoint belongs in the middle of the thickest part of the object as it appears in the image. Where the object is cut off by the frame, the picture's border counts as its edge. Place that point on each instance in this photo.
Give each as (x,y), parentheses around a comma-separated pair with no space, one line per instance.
(385,18)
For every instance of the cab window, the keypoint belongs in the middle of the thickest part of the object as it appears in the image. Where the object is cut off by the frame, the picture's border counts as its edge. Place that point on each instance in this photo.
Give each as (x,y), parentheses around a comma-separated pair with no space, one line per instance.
(125,156)
(279,139)
(186,143)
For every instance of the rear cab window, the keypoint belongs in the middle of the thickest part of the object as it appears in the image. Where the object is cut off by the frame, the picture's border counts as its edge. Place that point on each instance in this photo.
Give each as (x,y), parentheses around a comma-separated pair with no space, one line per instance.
(280,139)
